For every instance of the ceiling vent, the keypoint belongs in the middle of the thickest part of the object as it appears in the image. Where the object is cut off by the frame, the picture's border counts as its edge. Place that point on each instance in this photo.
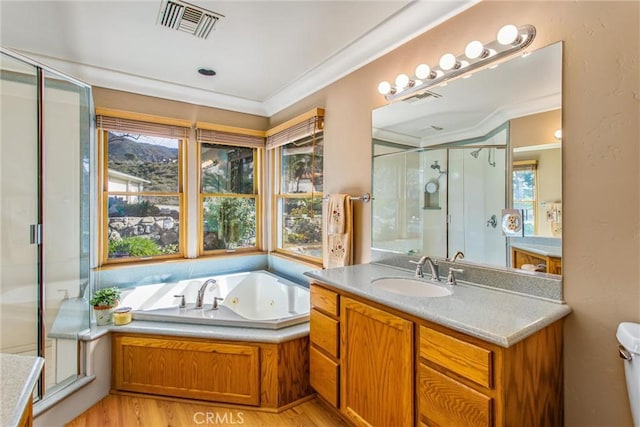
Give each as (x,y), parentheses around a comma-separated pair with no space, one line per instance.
(424,95)
(182,16)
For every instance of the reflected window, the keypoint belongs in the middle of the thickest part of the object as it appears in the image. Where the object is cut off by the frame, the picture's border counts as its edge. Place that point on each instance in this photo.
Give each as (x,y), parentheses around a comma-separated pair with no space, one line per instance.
(525,193)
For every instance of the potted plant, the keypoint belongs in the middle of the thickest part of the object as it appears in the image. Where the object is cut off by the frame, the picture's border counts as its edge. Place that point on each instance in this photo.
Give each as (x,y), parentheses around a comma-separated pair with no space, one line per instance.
(104,301)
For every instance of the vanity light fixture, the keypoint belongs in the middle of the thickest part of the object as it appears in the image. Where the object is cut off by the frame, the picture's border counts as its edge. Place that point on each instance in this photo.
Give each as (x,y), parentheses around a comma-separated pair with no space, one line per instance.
(510,39)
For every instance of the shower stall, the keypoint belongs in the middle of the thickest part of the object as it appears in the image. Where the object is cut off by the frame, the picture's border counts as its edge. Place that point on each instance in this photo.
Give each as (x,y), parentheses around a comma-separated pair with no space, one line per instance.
(442,199)
(46,140)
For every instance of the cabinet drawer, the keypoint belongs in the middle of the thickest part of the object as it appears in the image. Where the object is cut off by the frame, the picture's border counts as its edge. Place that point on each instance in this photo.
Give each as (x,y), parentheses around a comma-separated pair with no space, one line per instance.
(324,332)
(446,402)
(325,300)
(465,359)
(324,374)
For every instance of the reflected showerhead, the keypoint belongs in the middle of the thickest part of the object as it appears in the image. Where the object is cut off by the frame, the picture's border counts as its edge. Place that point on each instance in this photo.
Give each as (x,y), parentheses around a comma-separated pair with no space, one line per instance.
(476,152)
(436,166)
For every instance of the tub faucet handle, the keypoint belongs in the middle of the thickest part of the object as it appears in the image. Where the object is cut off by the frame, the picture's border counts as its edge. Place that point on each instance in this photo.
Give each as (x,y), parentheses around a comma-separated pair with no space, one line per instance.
(183,303)
(215,302)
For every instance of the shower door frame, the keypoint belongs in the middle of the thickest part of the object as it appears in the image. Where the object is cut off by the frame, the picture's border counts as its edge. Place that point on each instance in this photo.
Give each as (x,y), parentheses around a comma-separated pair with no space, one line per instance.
(37,230)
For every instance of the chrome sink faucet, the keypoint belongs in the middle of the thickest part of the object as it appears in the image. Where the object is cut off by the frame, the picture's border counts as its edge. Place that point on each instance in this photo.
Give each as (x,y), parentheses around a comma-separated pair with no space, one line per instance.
(457,255)
(203,288)
(433,267)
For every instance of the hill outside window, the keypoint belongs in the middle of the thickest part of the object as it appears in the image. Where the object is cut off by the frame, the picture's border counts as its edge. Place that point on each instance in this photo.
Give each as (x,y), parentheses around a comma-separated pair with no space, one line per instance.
(297,148)
(142,188)
(229,177)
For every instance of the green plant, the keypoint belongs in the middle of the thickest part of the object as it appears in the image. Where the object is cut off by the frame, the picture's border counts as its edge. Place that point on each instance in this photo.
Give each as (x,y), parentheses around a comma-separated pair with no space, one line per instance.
(134,246)
(106,297)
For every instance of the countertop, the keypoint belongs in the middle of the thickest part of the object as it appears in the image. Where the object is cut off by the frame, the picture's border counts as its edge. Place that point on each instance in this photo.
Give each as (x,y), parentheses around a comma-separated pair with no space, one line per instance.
(545,250)
(496,316)
(18,377)
(229,333)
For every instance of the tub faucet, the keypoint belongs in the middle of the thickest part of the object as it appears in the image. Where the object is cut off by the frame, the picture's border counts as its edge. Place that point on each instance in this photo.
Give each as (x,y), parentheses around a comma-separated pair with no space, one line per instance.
(433,267)
(203,288)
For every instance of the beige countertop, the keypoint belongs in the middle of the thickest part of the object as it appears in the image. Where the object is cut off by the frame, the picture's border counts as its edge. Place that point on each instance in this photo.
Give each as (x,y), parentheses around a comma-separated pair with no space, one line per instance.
(18,377)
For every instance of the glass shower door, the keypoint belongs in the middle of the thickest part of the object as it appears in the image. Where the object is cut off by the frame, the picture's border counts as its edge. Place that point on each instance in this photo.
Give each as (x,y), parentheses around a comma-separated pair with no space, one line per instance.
(66,138)
(19,257)
(46,131)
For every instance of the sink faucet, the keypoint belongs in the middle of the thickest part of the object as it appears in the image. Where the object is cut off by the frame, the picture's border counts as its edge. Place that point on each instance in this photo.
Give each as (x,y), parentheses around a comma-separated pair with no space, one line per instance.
(200,297)
(455,256)
(433,267)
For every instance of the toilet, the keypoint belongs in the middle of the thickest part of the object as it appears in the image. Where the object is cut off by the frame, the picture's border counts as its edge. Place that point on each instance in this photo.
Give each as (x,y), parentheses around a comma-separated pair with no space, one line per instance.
(629,338)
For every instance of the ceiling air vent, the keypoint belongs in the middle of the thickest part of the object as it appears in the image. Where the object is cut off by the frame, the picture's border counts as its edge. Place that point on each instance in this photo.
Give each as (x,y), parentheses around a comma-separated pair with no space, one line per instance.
(423,95)
(182,16)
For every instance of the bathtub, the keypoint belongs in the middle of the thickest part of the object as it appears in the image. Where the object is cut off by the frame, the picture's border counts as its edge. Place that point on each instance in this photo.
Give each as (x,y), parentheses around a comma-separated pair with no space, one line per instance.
(257,299)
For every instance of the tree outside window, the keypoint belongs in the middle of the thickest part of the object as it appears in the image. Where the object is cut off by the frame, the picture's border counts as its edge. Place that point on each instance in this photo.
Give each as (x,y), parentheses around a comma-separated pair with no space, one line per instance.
(525,193)
(229,197)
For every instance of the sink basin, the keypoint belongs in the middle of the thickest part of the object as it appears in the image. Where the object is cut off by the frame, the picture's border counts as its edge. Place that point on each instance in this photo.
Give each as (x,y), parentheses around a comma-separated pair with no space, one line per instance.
(411,287)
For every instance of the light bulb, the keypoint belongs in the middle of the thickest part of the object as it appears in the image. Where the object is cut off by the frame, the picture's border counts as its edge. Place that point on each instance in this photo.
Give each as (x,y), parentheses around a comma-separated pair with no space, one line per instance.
(448,61)
(558,134)
(508,35)
(475,49)
(423,71)
(384,88)
(402,80)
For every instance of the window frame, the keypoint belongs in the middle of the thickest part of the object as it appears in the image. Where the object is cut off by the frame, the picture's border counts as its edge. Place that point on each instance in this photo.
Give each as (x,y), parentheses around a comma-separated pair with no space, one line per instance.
(104,192)
(278,196)
(258,154)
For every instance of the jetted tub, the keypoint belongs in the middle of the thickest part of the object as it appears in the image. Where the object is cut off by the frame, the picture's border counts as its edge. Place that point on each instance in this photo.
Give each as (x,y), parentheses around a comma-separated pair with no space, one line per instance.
(257,299)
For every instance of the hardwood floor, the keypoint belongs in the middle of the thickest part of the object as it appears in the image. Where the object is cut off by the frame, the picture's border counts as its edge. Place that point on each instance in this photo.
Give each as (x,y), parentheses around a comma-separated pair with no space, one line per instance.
(125,411)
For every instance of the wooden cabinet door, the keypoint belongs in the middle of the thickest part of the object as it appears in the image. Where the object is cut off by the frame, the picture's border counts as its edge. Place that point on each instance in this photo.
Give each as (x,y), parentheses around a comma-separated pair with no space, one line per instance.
(187,368)
(376,375)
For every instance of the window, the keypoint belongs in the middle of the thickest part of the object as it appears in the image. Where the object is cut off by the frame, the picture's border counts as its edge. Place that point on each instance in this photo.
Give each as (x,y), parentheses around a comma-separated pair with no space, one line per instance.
(142,195)
(229,190)
(298,161)
(525,193)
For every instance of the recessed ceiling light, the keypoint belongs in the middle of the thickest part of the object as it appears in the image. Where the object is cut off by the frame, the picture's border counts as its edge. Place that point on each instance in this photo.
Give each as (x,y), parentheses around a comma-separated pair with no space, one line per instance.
(206,72)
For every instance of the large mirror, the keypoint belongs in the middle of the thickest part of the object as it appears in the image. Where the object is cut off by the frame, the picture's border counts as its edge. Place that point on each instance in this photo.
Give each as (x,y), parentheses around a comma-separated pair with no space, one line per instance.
(447,162)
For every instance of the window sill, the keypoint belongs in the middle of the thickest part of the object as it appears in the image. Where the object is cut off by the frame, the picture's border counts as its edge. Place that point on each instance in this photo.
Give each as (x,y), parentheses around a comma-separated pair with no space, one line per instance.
(152,262)
(299,260)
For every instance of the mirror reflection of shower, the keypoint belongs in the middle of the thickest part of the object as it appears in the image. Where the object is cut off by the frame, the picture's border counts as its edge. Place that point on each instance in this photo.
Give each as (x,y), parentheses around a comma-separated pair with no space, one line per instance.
(475,153)
(437,167)
(491,160)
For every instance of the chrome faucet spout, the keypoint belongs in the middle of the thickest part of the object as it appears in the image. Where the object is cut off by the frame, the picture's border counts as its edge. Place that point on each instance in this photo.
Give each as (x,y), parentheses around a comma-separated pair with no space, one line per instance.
(457,255)
(203,288)
(433,267)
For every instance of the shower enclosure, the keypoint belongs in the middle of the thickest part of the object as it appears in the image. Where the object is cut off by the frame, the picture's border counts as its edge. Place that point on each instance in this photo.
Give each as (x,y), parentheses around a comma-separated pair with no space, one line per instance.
(442,199)
(45,191)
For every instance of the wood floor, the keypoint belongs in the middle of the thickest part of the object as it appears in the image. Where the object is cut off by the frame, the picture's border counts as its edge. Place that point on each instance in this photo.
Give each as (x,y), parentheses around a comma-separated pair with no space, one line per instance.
(125,411)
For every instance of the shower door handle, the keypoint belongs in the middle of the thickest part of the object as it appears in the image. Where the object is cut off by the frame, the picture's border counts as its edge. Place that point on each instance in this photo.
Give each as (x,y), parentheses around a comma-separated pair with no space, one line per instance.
(35,234)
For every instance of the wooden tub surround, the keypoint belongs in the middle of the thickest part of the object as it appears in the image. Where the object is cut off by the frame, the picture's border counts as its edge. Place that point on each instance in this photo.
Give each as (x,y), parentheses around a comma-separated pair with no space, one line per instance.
(271,376)
(378,366)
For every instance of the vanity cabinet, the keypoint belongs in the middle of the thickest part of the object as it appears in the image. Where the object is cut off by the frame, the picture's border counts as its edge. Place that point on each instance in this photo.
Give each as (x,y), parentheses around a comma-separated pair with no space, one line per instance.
(397,369)
(376,381)
(324,351)
(361,359)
